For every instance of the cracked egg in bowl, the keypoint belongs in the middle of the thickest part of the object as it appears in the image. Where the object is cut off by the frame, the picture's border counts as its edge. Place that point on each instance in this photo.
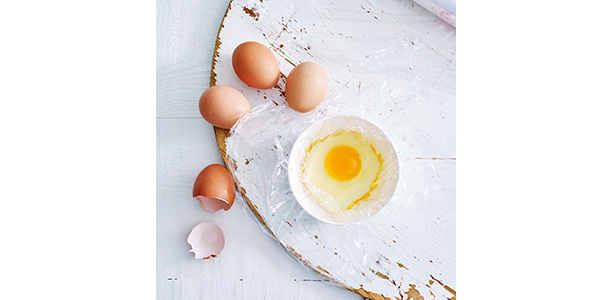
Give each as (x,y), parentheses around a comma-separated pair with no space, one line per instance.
(343,169)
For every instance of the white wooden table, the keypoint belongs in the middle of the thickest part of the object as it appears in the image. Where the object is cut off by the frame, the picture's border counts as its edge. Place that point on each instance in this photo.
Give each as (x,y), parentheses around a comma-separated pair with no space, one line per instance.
(253,265)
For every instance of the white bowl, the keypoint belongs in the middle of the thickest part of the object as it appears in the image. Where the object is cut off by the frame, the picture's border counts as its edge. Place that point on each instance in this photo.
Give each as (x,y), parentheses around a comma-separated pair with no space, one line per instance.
(387,182)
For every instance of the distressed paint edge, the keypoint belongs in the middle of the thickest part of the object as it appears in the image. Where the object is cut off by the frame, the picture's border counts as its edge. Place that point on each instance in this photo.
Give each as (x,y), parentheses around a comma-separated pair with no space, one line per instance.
(221,133)
(217,45)
(446,287)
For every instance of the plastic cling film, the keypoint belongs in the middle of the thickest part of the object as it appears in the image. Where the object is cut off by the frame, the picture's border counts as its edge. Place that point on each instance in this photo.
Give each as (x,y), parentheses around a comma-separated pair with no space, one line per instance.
(365,194)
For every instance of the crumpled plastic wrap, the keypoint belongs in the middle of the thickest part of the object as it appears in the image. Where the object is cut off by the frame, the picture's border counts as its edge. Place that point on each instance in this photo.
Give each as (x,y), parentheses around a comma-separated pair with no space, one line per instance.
(352,200)
(393,83)
(260,143)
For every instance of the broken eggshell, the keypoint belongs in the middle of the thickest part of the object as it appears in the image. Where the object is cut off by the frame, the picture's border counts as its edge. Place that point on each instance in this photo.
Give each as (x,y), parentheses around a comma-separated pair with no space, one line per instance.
(206,240)
(214,188)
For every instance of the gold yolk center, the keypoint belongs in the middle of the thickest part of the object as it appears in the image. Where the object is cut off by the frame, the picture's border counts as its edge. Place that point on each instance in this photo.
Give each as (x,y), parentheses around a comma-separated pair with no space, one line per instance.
(342,163)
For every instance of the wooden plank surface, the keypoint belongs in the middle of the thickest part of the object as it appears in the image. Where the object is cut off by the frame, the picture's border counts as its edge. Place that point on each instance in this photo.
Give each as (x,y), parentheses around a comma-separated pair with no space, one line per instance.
(253,265)
(401,73)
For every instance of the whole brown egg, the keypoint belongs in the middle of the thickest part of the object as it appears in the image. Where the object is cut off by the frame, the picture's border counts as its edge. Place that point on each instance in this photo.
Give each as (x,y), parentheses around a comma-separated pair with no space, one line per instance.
(222,105)
(306,86)
(256,65)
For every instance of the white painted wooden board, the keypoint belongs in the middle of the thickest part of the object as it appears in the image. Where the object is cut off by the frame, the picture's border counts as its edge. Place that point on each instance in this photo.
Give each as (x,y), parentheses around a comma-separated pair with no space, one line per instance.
(253,265)
(391,62)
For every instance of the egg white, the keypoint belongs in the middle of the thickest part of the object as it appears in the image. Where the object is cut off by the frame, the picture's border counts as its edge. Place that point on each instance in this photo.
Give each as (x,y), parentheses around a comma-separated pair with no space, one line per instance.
(334,195)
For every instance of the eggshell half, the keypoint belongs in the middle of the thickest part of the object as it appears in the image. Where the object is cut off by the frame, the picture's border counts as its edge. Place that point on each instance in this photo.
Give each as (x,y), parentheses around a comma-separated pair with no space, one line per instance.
(207,240)
(223,105)
(214,188)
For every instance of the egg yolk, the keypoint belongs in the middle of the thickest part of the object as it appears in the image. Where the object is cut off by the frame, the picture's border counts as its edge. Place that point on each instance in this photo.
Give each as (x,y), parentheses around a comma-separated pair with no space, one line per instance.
(342,163)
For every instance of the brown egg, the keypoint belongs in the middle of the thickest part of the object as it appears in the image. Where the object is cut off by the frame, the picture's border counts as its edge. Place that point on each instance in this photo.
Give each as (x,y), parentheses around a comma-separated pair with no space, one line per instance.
(306,86)
(214,188)
(256,65)
(222,106)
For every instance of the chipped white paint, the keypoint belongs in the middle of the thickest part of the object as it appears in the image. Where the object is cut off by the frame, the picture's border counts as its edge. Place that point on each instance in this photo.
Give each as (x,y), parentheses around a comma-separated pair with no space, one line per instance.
(393,63)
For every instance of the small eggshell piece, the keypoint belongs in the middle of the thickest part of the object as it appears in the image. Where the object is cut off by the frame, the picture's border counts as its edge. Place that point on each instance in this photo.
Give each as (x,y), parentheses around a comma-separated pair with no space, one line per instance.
(213,204)
(222,105)
(255,65)
(306,86)
(214,188)
(207,240)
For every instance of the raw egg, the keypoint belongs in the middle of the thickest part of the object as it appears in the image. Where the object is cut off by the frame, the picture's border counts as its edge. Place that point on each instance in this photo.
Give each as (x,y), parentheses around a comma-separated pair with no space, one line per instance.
(256,65)
(222,105)
(341,169)
(207,240)
(214,188)
(306,86)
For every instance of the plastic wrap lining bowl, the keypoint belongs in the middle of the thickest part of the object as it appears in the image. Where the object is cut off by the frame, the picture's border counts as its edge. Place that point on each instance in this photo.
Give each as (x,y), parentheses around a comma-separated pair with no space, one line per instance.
(380,192)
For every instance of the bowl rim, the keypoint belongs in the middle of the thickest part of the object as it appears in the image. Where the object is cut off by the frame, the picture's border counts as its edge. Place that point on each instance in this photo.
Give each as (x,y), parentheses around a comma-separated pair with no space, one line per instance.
(292,180)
